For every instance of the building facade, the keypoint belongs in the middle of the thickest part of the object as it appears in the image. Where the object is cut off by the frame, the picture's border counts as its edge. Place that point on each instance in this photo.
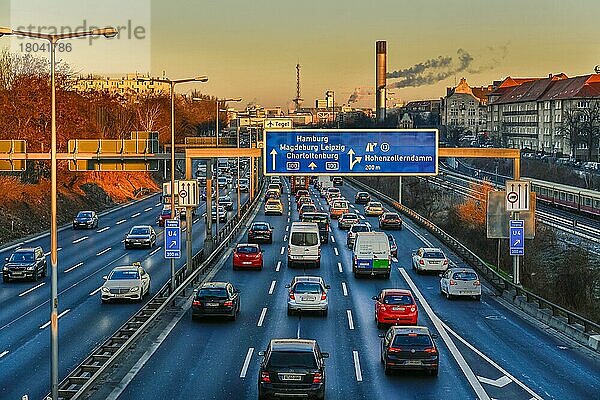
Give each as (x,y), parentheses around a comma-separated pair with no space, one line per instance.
(128,85)
(465,106)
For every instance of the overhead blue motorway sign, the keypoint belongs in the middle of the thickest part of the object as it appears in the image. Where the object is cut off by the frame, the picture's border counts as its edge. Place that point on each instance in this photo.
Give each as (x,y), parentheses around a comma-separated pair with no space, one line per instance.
(351,152)
(517,237)
(172,238)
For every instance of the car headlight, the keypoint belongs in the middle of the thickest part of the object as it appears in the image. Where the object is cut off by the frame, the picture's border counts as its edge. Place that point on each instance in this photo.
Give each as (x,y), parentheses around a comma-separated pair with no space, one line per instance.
(105,289)
(134,289)
(5,268)
(30,268)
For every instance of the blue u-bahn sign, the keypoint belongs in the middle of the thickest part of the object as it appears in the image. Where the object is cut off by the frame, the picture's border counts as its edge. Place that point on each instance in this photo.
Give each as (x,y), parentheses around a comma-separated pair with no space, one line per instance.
(351,152)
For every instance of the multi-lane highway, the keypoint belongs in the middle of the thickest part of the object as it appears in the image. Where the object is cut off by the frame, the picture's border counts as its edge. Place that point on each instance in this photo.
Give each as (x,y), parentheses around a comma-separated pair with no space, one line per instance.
(85,256)
(487,349)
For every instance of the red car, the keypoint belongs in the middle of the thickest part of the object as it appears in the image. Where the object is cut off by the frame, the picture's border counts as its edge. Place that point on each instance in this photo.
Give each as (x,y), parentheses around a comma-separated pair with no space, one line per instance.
(247,255)
(164,215)
(395,307)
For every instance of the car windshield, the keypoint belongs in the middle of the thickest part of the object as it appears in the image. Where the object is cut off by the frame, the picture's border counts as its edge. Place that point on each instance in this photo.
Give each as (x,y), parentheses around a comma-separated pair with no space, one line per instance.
(247,249)
(340,204)
(305,239)
(360,228)
(244,181)
(212,293)
(22,257)
(224,199)
(433,254)
(314,218)
(139,231)
(412,340)
(398,299)
(375,204)
(391,216)
(260,227)
(273,203)
(84,214)
(122,274)
(465,276)
(289,359)
(308,208)
(350,216)
(363,194)
(307,287)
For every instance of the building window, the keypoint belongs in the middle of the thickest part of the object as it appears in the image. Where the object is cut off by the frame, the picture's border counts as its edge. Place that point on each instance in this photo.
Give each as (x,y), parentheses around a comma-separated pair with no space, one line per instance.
(546,105)
(583,104)
(557,105)
(557,118)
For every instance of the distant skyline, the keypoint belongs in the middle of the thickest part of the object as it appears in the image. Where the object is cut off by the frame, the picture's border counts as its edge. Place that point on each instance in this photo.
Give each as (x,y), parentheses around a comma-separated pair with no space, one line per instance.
(250,49)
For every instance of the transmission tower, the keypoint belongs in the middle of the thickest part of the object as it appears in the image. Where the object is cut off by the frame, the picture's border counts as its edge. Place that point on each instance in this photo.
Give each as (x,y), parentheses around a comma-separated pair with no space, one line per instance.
(298,100)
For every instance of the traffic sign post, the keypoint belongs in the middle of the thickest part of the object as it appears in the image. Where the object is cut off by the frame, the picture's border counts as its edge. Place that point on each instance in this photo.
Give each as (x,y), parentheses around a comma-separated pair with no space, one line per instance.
(517,195)
(392,152)
(278,123)
(172,239)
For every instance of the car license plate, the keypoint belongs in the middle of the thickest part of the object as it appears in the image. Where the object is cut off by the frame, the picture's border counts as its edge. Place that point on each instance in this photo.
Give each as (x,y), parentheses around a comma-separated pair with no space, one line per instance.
(308,298)
(290,377)
(212,304)
(397,308)
(246,262)
(17,273)
(413,362)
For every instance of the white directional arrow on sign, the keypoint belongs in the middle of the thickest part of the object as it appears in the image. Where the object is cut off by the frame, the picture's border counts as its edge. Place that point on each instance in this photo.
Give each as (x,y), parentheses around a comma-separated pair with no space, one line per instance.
(353,160)
(312,166)
(273,154)
(500,382)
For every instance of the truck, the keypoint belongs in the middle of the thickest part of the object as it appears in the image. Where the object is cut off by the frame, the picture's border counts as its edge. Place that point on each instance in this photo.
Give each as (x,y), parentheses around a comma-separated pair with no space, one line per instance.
(298,182)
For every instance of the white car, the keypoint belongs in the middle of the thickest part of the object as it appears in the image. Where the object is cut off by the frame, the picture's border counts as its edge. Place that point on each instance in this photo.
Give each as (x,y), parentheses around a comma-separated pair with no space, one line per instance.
(307,293)
(429,259)
(130,282)
(460,282)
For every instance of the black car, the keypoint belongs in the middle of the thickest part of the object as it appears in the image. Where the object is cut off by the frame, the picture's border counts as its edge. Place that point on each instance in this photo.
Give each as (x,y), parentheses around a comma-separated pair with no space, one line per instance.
(85,219)
(260,231)
(140,236)
(362,198)
(292,367)
(338,181)
(322,221)
(216,299)
(29,263)
(409,348)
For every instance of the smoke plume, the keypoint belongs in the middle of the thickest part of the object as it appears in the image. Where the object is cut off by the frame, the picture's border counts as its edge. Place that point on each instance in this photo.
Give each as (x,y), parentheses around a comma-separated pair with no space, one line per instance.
(358,93)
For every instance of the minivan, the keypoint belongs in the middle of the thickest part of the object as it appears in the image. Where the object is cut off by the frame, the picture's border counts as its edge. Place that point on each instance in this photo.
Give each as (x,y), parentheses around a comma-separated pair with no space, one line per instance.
(304,244)
(371,254)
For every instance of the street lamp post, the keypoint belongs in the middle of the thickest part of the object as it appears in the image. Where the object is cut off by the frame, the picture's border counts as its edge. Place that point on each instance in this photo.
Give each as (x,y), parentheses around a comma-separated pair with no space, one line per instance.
(188,217)
(54,39)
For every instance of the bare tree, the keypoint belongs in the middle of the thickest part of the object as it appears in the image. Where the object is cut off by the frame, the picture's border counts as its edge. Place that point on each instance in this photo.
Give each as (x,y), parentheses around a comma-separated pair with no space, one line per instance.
(453,134)
(590,128)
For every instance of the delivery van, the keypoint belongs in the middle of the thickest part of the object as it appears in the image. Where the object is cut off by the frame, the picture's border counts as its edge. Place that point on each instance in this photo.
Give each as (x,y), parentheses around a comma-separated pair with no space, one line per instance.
(304,246)
(371,254)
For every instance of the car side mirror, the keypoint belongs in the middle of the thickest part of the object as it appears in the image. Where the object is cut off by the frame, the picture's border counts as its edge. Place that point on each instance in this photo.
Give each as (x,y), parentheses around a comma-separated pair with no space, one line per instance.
(287,286)
(327,286)
(324,355)
(195,290)
(105,277)
(374,297)
(261,353)
(441,275)
(381,335)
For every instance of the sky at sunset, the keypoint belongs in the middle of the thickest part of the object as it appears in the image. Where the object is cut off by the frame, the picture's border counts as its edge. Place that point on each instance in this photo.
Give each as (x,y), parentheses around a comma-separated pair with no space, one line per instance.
(250,48)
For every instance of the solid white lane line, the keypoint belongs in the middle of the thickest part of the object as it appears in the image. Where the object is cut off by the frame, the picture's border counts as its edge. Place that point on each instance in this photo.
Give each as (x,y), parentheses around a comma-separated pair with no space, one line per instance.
(153,252)
(31,289)
(103,229)
(340,267)
(135,215)
(5,352)
(278,266)
(336,251)
(47,324)
(103,251)
(147,209)
(460,360)
(357,369)
(96,291)
(120,222)
(59,249)
(282,250)
(332,238)
(246,362)
(344,289)
(272,287)
(287,228)
(73,267)
(350,320)
(80,240)
(262,317)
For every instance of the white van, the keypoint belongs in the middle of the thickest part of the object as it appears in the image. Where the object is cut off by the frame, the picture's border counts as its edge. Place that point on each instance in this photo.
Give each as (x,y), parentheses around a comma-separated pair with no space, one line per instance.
(371,254)
(304,246)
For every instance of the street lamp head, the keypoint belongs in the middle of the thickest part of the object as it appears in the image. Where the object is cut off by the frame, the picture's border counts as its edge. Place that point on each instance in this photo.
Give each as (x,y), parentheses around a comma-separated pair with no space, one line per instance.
(5,31)
(106,32)
(236,99)
(202,78)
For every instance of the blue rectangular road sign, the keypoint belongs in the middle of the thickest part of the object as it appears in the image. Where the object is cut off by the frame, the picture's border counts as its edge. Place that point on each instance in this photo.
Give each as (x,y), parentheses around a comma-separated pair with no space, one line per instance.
(351,152)
(517,237)
(172,239)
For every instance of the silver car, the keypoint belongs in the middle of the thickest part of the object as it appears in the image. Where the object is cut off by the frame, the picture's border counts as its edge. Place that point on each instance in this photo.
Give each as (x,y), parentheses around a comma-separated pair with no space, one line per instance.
(307,293)
(429,259)
(130,282)
(460,282)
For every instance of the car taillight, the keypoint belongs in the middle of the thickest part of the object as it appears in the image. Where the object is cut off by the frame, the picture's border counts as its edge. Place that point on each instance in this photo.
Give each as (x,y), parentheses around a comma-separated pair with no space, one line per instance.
(452,282)
(430,350)
(196,303)
(228,303)
(292,297)
(477,283)
(421,262)
(317,377)
(323,296)
(264,377)
(413,309)
(394,350)
(446,261)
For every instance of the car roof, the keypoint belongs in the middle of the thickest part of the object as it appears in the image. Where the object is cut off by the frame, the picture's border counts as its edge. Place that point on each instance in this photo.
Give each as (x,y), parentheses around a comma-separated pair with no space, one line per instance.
(432,249)
(359,224)
(350,214)
(247,245)
(405,330)
(390,212)
(396,292)
(82,211)
(459,269)
(292,344)
(313,279)
(217,285)
(141,226)
(26,249)
(126,268)
(315,214)
(260,223)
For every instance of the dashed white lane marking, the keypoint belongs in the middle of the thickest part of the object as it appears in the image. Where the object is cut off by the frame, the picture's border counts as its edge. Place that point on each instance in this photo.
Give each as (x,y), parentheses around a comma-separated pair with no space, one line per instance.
(337,253)
(5,352)
(96,291)
(47,324)
(47,254)
(262,317)
(137,214)
(340,267)
(288,220)
(147,209)
(285,238)
(282,250)
(350,320)
(278,266)
(352,205)
(344,289)
(158,204)
(357,369)
(332,239)
(287,228)
(59,249)
(103,251)
(103,229)
(272,287)
(31,289)
(73,267)
(246,362)
(321,207)
(361,217)
(81,239)
(120,222)
(196,220)
(153,252)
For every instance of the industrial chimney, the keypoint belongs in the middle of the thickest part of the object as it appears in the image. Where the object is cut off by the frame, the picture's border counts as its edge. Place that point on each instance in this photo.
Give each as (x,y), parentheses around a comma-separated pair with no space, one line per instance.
(380,77)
